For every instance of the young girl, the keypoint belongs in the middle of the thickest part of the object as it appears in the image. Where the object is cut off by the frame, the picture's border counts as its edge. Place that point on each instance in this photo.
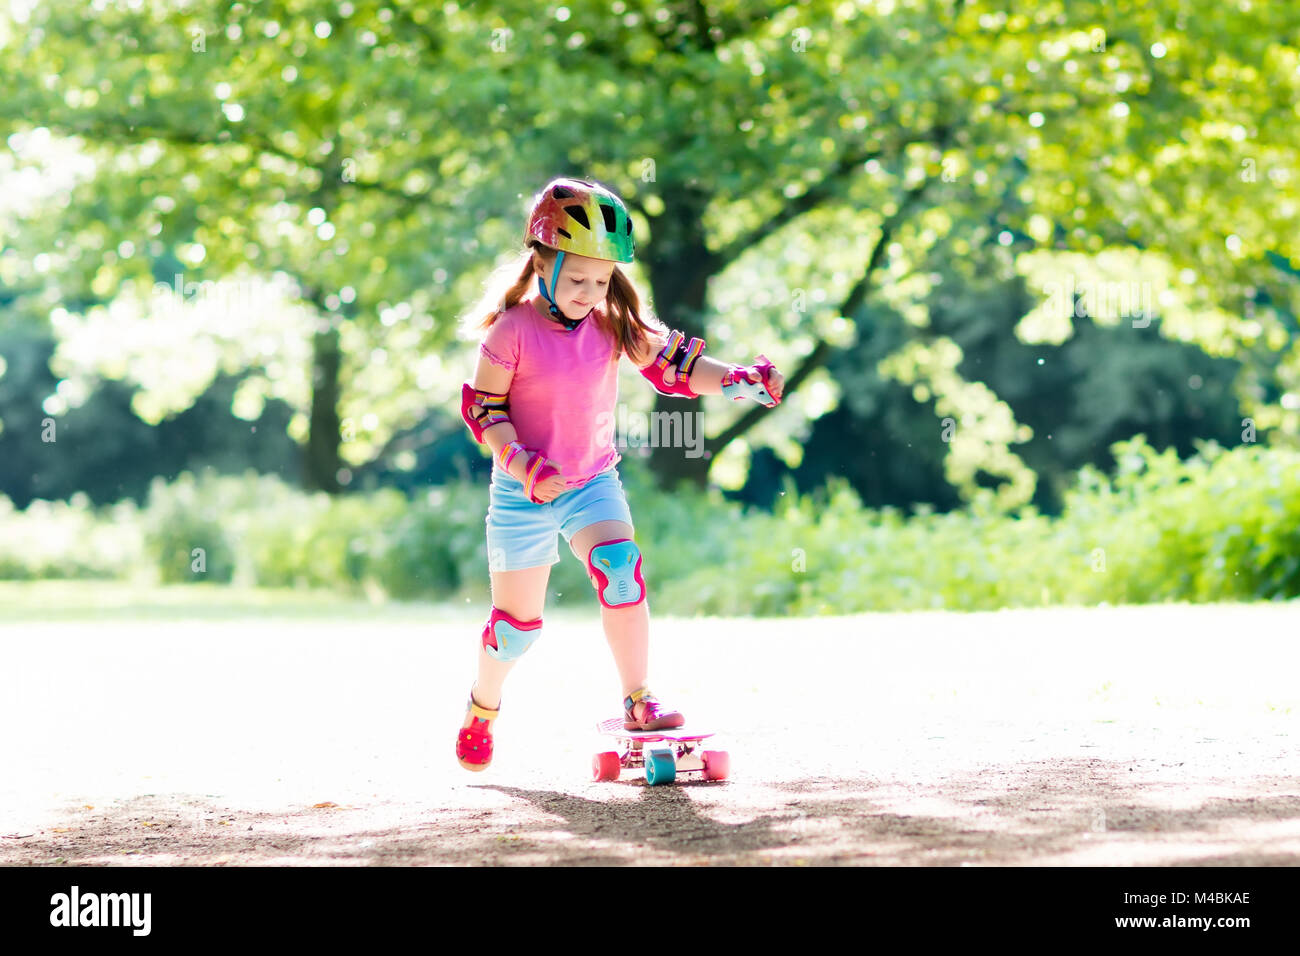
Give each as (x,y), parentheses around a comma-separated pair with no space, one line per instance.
(547,377)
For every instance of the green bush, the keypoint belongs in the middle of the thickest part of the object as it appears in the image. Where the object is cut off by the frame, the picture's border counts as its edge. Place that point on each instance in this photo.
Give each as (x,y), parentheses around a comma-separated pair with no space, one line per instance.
(1223,525)
(256,530)
(189,533)
(68,539)
(1220,526)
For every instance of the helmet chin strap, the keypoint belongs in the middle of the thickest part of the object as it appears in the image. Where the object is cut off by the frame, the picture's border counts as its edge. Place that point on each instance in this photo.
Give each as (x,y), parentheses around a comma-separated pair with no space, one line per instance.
(569,324)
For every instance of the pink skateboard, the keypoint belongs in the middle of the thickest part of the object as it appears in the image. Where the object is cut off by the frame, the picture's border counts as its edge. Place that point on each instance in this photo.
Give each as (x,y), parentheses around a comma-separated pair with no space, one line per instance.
(665,754)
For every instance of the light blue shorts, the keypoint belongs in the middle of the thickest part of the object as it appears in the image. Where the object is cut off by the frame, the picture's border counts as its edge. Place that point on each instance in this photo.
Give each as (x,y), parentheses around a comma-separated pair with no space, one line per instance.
(521,533)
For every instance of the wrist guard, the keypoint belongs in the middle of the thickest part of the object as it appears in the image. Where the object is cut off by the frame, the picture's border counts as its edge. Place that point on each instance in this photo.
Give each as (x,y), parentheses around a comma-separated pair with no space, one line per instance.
(677,352)
(494,410)
(536,471)
(736,382)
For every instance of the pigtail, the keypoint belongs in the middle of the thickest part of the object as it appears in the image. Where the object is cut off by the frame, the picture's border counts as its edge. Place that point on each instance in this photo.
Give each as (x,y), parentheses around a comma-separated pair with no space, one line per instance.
(623,314)
(503,289)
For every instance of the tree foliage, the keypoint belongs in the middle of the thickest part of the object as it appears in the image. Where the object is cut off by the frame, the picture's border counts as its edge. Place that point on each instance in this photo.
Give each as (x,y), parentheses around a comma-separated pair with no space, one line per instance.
(799,174)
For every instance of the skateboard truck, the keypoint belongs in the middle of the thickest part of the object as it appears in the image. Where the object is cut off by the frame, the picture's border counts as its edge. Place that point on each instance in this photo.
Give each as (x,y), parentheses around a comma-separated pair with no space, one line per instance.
(663,755)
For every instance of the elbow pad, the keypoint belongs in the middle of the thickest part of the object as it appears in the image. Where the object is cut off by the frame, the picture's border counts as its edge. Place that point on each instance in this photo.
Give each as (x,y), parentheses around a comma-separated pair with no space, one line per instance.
(677,352)
(494,410)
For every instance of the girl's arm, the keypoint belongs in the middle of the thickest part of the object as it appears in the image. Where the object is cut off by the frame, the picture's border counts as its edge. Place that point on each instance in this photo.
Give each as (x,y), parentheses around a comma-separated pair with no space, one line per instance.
(494,379)
(706,377)
(541,478)
(709,375)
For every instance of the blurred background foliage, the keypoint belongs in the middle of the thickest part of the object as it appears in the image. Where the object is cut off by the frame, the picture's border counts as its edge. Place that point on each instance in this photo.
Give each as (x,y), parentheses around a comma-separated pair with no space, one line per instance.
(987,245)
(1219,525)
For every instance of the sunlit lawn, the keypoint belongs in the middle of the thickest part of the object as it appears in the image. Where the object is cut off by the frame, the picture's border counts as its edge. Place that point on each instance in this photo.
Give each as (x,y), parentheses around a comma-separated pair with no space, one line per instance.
(117,600)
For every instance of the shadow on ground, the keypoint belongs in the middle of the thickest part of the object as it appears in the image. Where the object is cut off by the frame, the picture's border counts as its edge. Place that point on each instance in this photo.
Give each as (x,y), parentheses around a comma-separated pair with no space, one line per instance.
(1058,812)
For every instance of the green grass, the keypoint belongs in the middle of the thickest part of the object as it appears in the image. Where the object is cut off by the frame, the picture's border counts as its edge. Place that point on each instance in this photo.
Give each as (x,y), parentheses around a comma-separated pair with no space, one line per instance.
(65,600)
(99,600)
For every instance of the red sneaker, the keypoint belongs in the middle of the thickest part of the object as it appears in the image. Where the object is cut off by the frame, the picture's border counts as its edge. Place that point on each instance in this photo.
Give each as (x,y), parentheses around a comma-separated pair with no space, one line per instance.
(474,743)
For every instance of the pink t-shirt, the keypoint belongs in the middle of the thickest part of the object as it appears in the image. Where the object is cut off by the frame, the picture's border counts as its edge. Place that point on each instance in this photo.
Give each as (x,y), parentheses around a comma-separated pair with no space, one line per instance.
(565,387)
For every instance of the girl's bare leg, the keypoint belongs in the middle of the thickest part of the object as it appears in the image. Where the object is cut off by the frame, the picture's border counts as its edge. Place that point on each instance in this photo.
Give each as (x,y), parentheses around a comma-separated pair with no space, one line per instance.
(627,629)
(521,594)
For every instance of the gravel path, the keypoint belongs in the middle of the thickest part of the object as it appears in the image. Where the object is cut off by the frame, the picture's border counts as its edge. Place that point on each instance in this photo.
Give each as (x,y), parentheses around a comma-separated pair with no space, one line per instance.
(1158,735)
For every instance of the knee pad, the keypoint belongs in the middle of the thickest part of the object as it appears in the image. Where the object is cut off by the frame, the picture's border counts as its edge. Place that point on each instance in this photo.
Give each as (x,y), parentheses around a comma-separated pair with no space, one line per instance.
(505,638)
(616,566)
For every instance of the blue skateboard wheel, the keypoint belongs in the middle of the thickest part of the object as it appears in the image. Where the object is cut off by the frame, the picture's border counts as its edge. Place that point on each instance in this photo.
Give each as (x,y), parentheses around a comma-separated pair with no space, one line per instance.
(660,767)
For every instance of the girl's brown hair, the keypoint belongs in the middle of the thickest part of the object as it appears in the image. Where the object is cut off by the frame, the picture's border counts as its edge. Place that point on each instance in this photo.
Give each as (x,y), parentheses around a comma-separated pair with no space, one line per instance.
(621,317)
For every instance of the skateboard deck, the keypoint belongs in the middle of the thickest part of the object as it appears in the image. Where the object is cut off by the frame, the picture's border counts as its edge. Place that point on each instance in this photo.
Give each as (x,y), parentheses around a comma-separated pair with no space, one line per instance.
(664,755)
(614,728)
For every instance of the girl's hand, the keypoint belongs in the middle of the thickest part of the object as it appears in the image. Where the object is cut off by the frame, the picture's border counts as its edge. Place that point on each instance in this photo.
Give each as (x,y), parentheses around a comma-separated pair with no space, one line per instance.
(775,383)
(762,373)
(550,488)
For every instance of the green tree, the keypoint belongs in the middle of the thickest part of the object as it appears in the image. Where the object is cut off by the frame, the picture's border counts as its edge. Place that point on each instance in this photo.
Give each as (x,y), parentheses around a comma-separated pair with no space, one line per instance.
(793,169)
(323,143)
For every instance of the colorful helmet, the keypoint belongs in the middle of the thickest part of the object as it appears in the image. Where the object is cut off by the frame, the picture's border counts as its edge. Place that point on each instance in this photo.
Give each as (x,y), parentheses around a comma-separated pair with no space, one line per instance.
(573,215)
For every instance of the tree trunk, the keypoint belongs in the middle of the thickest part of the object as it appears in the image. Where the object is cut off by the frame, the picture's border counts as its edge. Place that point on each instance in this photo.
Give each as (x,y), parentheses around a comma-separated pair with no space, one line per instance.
(680,270)
(323,463)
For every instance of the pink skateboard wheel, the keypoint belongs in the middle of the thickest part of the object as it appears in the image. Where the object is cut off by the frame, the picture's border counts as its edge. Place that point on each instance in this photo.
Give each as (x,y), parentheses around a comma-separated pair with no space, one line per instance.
(717,764)
(606,766)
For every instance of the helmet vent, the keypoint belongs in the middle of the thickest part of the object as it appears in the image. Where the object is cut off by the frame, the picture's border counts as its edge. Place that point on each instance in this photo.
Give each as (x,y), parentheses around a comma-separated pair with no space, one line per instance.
(563,232)
(561,192)
(580,214)
(611,226)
